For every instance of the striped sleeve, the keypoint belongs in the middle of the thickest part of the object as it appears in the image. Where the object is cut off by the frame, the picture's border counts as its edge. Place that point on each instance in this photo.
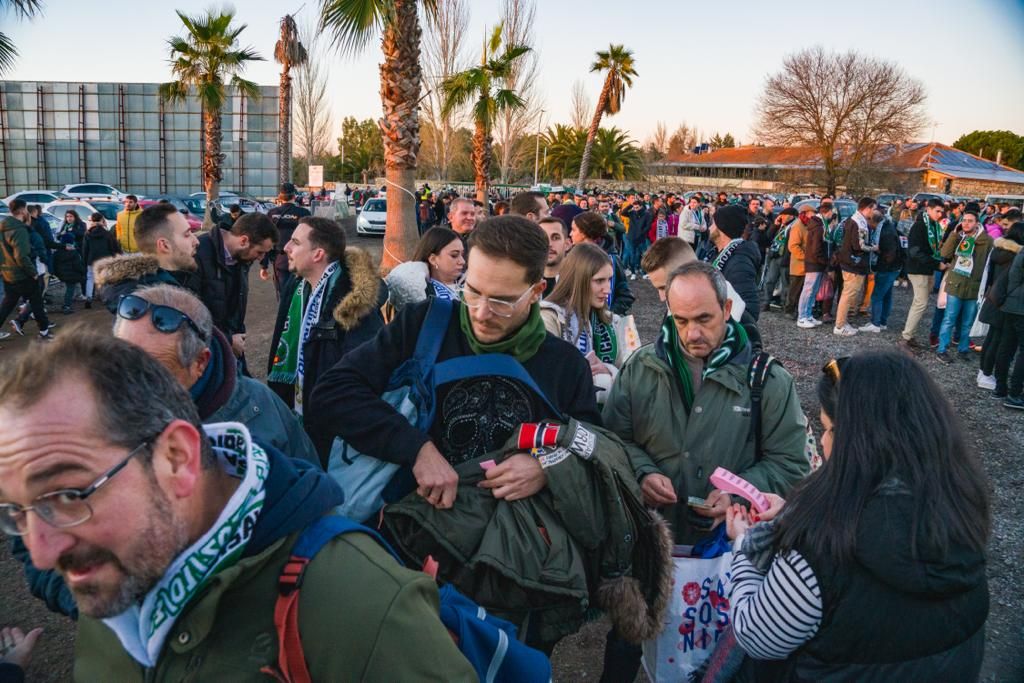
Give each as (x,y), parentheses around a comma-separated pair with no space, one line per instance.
(775,613)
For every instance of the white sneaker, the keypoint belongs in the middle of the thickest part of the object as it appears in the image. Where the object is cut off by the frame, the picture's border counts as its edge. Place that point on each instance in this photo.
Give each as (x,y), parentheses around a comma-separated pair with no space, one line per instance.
(986,381)
(883,328)
(4,335)
(846,331)
(805,324)
(814,321)
(870,327)
(633,276)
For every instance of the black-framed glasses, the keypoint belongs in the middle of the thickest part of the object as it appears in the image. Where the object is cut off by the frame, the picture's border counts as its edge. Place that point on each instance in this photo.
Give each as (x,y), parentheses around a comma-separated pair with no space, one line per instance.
(67,507)
(834,368)
(165,318)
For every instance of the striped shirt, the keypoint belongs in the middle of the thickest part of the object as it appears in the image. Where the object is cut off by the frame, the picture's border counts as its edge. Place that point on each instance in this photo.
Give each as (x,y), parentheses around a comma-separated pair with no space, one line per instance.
(774,613)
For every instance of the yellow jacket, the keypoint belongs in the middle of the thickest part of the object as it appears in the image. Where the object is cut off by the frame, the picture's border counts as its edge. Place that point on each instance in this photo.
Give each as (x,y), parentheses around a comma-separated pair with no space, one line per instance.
(125,229)
(797,242)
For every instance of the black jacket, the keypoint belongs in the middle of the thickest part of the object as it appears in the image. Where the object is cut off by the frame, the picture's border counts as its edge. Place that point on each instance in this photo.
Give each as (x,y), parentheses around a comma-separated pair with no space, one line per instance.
(223,288)
(622,295)
(1003,252)
(890,253)
(742,271)
(852,258)
(920,260)
(891,616)
(350,316)
(286,218)
(99,243)
(123,274)
(68,266)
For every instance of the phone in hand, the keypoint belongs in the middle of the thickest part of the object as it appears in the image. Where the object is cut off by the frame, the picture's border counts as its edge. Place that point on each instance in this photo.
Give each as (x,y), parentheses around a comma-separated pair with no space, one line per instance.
(698,504)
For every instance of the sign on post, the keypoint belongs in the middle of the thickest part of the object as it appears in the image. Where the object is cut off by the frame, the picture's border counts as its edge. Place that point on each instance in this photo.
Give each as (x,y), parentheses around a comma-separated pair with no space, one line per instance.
(316,176)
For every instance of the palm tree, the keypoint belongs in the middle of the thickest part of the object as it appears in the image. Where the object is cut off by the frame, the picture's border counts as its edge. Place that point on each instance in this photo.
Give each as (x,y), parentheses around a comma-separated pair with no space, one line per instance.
(288,52)
(353,24)
(616,157)
(618,62)
(563,151)
(207,55)
(23,9)
(484,83)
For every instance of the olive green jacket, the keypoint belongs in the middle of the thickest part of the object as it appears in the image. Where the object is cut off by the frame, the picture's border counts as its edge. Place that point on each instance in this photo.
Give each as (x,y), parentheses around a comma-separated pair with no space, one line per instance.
(962,286)
(645,409)
(362,618)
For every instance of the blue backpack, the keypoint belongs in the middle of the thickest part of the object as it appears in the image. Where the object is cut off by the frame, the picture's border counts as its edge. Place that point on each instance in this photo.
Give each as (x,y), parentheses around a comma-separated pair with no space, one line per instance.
(367,482)
(490,644)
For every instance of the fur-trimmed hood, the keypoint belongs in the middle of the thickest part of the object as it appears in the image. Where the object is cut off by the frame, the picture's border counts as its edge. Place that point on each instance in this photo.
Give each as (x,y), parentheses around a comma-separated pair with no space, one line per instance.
(1007,244)
(115,269)
(364,295)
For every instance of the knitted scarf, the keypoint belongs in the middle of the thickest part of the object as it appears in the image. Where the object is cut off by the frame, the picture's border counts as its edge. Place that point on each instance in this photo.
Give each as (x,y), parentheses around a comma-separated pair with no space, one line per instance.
(598,337)
(735,341)
(964,263)
(441,290)
(142,628)
(726,253)
(522,345)
(779,242)
(934,236)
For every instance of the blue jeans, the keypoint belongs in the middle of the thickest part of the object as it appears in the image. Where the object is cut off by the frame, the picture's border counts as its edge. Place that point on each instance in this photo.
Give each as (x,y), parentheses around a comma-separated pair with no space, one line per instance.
(966,310)
(632,254)
(805,309)
(937,318)
(881,297)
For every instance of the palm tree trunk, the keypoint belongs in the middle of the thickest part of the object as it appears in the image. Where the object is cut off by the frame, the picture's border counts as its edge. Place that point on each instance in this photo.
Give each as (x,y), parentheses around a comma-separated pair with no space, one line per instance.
(595,123)
(212,163)
(481,161)
(400,78)
(284,114)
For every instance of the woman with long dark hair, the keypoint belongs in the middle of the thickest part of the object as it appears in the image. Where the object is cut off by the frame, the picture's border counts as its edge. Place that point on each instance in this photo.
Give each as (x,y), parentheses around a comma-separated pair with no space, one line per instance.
(434,271)
(875,568)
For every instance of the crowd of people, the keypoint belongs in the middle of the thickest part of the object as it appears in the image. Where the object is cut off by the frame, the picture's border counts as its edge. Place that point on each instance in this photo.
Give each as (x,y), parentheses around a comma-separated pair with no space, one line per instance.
(488,410)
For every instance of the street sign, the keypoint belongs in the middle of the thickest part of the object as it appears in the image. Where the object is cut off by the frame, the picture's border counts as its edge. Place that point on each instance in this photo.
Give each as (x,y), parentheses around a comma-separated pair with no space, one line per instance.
(316,176)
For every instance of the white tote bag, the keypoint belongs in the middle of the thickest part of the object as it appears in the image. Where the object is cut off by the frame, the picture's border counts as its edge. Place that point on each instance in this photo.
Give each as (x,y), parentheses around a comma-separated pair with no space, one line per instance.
(980,329)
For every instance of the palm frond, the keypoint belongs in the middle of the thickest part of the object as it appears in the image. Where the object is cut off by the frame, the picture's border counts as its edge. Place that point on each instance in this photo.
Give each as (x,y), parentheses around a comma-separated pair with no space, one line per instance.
(8,53)
(248,88)
(352,24)
(23,9)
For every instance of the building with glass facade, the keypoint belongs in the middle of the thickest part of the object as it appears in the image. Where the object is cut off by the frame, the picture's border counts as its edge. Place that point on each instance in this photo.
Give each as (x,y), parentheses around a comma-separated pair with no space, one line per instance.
(54,133)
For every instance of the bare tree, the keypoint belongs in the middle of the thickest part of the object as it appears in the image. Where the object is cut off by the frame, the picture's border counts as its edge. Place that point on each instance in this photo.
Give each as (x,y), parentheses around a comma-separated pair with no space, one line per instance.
(312,109)
(682,141)
(443,56)
(579,114)
(518,28)
(659,139)
(846,106)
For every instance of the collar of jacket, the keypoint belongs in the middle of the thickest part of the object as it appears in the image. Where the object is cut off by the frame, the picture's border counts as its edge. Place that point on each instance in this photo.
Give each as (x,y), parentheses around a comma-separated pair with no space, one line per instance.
(218,381)
(356,294)
(733,376)
(123,267)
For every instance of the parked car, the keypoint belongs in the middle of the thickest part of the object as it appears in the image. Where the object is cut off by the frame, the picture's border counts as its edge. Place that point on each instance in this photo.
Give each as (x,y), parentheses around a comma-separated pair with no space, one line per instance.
(94,190)
(85,209)
(37,196)
(246,202)
(54,221)
(844,207)
(4,211)
(372,219)
(922,197)
(885,200)
(195,222)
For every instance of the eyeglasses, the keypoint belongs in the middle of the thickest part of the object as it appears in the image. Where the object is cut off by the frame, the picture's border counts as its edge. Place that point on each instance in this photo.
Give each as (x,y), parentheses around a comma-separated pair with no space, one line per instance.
(833,368)
(165,319)
(67,507)
(499,307)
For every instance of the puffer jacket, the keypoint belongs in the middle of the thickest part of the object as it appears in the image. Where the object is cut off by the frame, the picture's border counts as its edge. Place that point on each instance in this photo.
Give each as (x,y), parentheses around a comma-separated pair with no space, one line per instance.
(585,539)
(99,243)
(1003,252)
(645,409)
(963,286)
(16,262)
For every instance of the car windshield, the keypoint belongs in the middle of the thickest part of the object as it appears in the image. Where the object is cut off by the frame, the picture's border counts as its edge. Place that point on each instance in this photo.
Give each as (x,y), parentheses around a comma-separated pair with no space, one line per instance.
(375,205)
(196,205)
(108,209)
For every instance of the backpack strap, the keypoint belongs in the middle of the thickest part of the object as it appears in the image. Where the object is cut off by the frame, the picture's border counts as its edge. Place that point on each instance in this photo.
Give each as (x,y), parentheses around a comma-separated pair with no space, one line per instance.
(291,658)
(428,343)
(485,364)
(760,365)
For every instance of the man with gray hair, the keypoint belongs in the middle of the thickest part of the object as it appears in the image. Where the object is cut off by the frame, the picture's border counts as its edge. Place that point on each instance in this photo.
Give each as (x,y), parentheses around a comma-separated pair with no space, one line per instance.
(462,216)
(172,325)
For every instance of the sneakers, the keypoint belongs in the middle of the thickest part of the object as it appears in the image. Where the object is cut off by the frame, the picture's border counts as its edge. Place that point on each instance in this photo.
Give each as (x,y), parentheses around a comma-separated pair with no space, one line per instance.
(88,303)
(827,318)
(870,327)
(67,310)
(933,341)
(17,327)
(846,331)
(986,381)
(1015,402)
(944,357)
(814,321)
(47,334)
(805,324)
(4,335)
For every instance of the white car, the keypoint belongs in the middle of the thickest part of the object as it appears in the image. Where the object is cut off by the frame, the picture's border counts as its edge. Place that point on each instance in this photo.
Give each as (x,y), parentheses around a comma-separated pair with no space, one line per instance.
(85,209)
(36,196)
(93,190)
(372,218)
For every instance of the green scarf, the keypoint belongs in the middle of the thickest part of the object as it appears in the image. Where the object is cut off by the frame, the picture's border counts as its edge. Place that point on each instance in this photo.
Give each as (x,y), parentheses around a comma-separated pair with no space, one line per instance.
(735,341)
(934,236)
(286,358)
(522,345)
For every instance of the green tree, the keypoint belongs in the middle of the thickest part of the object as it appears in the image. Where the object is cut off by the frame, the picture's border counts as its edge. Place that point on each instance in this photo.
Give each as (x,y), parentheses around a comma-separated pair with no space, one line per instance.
(720,141)
(23,9)
(618,64)
(616,157)
(563,150)
(288,52)
(485,83)
(202,60)
(353,24)
(988,143)
(363,149)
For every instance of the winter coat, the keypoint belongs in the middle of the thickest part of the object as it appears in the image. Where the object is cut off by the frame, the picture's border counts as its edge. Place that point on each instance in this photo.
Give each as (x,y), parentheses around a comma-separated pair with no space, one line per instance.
(124,228)
(1014,303)
(223,288)
(941,599)
(920,260)
(645,409)
(622,295)
(639,224)
(1003,252)
(691,224)
(742,270)
(362,617)
(123,274)
(961,286)
(68,266)
(815,254)
(890,253)
(583,540)
(797,241)
(99,243)
(852,256)
(16,261)
(350,315)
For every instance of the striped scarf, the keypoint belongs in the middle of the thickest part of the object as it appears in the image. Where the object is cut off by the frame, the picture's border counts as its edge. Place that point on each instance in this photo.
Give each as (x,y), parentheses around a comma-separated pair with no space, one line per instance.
(735,341)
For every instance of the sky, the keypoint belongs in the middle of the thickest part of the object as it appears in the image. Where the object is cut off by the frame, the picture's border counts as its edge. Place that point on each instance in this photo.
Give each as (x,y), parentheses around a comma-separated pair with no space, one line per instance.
(699,62)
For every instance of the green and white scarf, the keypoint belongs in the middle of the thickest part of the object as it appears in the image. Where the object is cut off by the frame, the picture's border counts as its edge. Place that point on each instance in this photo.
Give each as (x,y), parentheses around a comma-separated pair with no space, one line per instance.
(598,337)
(934,236)
(734,342)
(964,264)
(142,628)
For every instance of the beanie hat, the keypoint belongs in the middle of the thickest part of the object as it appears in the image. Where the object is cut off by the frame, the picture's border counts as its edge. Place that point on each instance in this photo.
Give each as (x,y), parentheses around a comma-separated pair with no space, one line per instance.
(731,220)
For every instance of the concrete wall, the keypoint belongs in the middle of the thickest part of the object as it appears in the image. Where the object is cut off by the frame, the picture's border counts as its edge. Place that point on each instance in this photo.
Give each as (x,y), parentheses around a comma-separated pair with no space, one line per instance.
(54,133)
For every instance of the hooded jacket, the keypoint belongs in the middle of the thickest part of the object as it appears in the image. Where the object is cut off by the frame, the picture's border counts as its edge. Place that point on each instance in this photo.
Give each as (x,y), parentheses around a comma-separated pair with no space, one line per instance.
(361,615)
(890,616)
(350,315)
(123,274)
(16,262)
(1003,252)
(99,243)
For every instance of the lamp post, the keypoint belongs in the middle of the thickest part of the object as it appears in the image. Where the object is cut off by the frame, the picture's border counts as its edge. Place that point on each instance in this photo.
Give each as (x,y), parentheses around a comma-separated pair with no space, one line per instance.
(536,151)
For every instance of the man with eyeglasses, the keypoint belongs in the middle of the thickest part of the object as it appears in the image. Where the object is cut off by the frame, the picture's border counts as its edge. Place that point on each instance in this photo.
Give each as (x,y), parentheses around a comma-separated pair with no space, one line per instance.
(498,314)
(171,534)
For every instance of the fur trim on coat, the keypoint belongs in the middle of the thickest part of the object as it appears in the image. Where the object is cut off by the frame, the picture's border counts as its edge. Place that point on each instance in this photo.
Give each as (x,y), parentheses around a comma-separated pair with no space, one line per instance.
(363,297)
(114,269)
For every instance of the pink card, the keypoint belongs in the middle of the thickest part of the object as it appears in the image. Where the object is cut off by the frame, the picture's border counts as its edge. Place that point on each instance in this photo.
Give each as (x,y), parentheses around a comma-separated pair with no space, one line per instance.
(726,481)
(487,464)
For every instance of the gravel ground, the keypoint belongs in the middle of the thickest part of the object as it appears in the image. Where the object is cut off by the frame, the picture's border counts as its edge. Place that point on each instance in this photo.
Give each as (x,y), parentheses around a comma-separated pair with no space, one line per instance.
(996,433)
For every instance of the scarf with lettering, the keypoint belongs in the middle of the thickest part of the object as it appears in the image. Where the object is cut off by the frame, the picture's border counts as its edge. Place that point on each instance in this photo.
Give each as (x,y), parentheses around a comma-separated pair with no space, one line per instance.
(441,290)
(734,342)
(598,337)
(726,253)
(142,628)
(964,263)
(934,229)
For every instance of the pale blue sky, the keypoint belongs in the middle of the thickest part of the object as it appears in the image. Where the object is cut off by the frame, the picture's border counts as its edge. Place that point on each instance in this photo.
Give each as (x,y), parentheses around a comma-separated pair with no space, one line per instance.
(702,62)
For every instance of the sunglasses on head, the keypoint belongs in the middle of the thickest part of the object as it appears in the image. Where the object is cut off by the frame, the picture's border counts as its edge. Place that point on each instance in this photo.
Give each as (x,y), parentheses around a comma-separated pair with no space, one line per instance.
(165,319)
(833,368)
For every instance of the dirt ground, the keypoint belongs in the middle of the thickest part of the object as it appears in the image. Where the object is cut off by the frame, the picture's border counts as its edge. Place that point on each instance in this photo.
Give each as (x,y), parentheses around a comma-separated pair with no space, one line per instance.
(997,435)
